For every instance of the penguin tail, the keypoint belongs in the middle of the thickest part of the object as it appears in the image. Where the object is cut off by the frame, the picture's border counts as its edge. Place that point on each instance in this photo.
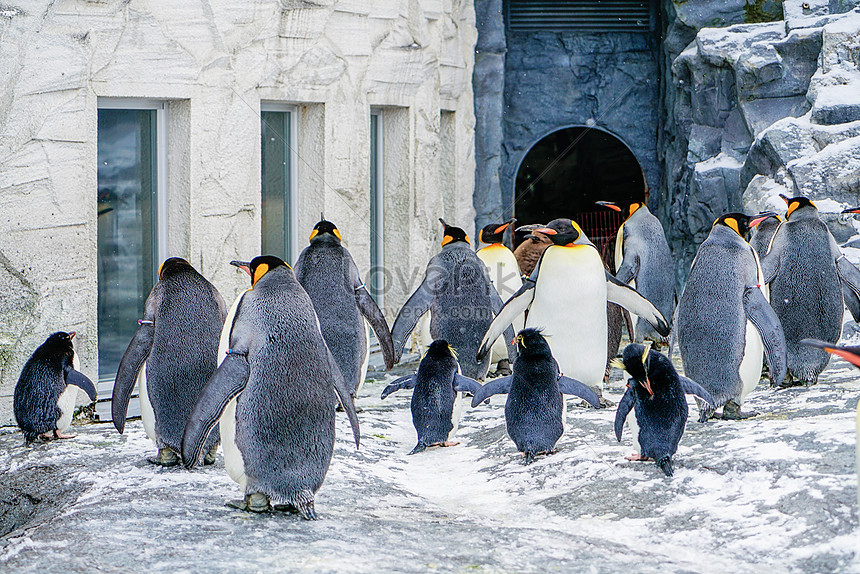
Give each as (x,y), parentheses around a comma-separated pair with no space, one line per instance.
(665,465)
(418,448)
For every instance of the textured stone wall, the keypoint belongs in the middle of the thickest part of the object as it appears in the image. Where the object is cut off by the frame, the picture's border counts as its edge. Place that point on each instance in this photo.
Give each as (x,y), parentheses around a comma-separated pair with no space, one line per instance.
(214,62)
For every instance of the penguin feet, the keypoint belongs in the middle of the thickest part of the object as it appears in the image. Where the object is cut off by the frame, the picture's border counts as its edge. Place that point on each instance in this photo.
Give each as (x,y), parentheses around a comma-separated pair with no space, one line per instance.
(503,368)
(209,458)
(637,457)
(254,502)
(732,412)
(58,434)
(705,413)
(166,457)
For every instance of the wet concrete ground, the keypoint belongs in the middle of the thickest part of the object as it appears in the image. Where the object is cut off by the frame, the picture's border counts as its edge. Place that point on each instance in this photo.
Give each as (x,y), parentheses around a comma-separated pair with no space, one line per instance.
(777,492)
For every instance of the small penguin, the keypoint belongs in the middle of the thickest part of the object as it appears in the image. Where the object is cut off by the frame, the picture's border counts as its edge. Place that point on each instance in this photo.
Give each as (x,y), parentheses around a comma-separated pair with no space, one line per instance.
(643,260)
(655,392)
(529,252)
(762,234)
(171,356)
(436,400)
(458,292)
(566,298)
(534,409)
(506,278)
(330,277)
(47,389)
(281,375)
(724,323)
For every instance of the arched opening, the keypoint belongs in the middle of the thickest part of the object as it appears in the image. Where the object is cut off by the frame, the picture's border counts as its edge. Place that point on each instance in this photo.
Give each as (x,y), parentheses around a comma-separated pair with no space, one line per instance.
(564,173)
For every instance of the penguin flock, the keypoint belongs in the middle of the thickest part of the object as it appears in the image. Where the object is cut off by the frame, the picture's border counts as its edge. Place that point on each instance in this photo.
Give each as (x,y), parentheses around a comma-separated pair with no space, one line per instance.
(270,371)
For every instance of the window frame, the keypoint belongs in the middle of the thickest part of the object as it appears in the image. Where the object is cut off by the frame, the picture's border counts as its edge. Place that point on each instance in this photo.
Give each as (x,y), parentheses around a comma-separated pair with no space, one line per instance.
(377,202)
(291,222)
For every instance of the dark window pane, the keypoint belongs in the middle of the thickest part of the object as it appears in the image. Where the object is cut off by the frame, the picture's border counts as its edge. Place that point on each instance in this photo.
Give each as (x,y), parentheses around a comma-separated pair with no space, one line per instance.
(276,184)
(376,275)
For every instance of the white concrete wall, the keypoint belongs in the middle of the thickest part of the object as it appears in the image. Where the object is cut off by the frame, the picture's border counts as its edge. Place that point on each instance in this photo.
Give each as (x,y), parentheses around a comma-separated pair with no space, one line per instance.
(214,61)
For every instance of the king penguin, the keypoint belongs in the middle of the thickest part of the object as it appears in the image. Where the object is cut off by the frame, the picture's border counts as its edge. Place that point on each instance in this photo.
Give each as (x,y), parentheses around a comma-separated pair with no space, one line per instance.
(534,409)
(282,376)
(437,396)
(505,275)
(458,292)
(47,389)
(566,299)
(724,323)
(762,234)
(330,277)
(171,356)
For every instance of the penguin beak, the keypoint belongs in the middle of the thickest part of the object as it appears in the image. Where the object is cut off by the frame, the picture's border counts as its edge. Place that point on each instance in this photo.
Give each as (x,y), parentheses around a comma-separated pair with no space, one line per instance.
(786,199)
(243,265)
(546,231)
(608,204)
(72,334)
(647,385)
(761,217)
(851,210)
(850,354)
(502,227)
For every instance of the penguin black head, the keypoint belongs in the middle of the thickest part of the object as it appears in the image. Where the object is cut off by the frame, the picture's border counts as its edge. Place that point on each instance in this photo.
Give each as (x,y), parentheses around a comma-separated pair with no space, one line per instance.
(259,266)
(494,232)
(742,223)
(531,343)
(60,342)
(440,349)
(453,234)
(325,229)
(561,231)
(635,359)
(795,203)
(172,264)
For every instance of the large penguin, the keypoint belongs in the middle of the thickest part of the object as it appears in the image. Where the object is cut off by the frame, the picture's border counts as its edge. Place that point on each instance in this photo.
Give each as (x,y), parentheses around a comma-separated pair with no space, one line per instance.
(643,260)
(534,409)
(506,278)
(806,272)
(171,356)
(724,323)
(282,377)
(47,389)
(437,399)
(458,291)
(566,298)
(330,277)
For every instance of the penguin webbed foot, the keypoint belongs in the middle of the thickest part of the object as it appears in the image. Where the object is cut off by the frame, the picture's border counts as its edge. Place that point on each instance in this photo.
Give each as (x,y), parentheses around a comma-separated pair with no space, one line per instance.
(58,434)
(705,412)
(732,412)
(665,464)
(637,457)
(166,457)
(254,502)
(209,457)
(503,368)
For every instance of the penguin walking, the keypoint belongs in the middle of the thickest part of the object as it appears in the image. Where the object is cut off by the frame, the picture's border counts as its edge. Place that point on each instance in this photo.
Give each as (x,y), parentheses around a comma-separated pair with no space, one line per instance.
(330,277)
(282,375)
(47,389)
(643,260)
(656,394)
(528,252)
(724,323)
(534,409)
(436,399)
(171,356)
(566,298)
(458,292)
(807,272)
(506,278)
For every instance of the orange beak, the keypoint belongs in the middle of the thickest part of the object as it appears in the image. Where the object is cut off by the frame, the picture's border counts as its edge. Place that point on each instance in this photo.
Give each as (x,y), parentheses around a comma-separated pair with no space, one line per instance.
(760,217)
(647,384)
(608,204)
(546,231)
(72,334)
(243,265)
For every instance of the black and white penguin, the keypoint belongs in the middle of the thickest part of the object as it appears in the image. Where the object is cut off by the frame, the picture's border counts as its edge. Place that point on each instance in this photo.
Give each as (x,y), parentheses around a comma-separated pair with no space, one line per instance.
(534,409)
(282,376)
(437,396)
(330,277)
(566,298)
(171,356)
(643,260)
(460,296)
(724,323)
(47,389)
(656,393)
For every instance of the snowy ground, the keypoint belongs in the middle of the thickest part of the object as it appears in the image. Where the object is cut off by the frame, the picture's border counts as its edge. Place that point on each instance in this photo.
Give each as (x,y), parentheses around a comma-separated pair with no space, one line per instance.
(776,492)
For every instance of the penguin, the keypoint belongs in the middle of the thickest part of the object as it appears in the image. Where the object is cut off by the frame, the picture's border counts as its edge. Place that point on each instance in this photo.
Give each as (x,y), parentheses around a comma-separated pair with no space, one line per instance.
(851,299)
(436,399)
(171,356)
(724,323)
(762,234)
(566,298)
(806,272)
(532,247)
(534,409)
(282,376)
(458,292)
(505,275)
(47,389)
(328,274)
(655,392)
(643,260)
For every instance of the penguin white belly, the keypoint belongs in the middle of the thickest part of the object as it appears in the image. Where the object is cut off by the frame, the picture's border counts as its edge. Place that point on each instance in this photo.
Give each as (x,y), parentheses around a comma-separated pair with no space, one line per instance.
(234,464)
(750,367)
(570,307)
(633,430)
(66,403)
(505,276)
(619,260)
(456,414)
(421,337)
(366,358)
(147,414)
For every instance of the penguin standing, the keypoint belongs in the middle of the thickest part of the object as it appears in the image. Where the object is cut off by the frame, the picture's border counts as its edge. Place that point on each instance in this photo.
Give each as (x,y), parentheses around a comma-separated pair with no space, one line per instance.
(47,389)
(762,234)
(534,409)
(566,298)
(330,277)
(528,252)
(458,292)
(505,275)
(281,374)
(643,260)
(436,401)
(655,392)
(724,323)
(171,356)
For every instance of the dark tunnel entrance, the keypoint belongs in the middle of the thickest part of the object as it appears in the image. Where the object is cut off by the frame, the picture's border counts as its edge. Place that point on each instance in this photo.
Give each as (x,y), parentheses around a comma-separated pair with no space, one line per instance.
(564,173)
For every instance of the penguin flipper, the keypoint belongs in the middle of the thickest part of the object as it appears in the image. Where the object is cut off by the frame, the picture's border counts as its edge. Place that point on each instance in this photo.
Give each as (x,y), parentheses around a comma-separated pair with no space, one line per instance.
(81,381)
(629,269)
(510,345)
(418,303)
(407,382)
(625,405)
(691,387)
(849,275)
(629,298)
(500,386)
(852,301)
(761,315)
(512,308)
(126,377)
(570,386)
(465,384)
(374,316)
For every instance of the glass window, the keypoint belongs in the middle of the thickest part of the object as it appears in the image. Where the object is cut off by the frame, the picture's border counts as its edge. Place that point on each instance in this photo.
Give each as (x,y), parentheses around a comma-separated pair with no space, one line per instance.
(277,145)
(376,277)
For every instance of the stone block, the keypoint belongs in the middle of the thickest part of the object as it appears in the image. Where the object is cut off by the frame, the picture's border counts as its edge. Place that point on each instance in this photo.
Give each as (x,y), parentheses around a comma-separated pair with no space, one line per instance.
(833,172)
(837,104)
